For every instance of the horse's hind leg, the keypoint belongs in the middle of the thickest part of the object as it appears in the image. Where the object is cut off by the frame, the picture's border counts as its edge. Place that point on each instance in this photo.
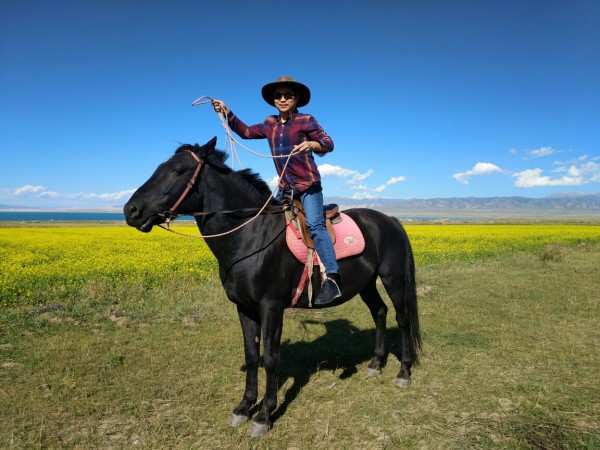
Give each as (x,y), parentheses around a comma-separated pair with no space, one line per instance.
(378,309)
(404,299)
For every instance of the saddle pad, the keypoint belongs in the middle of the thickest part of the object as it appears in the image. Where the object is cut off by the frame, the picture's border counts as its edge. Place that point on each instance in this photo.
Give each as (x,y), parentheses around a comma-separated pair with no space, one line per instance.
(349,240)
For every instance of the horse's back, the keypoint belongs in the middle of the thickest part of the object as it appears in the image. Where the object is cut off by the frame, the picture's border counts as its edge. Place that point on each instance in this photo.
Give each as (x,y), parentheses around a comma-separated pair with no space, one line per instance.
(376,225)
(387,246)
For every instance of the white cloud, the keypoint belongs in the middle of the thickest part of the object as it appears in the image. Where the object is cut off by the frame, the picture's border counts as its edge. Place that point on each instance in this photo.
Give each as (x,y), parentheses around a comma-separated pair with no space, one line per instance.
(389,182)
(49,194)
(107,196)
(329,170)
(362,196)
(574,176)
(578,160)
(33,192)
(111,196)
(590,171)
(28,189)
(395,180)
(534,177)
(533,154)
(355,179)
(354,176)
(481,168)
(273,182)
(541,152)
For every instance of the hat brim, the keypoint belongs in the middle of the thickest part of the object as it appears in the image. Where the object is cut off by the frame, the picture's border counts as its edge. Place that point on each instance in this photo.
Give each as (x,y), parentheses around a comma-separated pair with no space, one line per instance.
(302,92)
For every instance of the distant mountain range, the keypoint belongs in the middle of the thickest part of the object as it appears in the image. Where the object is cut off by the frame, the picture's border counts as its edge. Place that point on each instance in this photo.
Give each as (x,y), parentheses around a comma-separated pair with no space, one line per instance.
(570,205)
(558,205)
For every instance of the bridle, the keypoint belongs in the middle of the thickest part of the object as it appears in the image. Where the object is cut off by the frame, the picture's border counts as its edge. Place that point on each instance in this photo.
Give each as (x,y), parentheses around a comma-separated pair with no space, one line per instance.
(171,213)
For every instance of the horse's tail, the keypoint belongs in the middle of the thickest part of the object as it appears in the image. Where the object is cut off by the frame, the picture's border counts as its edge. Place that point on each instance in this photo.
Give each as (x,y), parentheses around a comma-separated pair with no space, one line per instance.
(411,311)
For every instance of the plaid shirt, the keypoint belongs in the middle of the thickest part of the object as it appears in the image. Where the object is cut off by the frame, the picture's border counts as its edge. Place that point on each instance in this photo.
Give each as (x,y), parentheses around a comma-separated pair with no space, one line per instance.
(301,172)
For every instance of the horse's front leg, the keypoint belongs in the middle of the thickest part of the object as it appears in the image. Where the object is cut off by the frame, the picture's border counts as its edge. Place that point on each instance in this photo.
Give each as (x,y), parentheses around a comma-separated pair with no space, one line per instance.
(251,331)
(272,325)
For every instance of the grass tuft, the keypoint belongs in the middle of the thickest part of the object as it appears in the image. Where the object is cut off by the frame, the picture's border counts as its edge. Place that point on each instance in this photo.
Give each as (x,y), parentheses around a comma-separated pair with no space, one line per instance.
(546,432)
(553,252)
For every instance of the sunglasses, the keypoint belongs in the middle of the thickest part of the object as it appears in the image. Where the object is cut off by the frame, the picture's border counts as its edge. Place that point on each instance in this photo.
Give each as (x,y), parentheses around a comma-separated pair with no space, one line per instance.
(286,95)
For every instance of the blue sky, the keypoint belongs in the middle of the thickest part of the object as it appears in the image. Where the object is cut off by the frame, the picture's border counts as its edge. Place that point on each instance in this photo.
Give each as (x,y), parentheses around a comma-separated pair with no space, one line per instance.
(422,98)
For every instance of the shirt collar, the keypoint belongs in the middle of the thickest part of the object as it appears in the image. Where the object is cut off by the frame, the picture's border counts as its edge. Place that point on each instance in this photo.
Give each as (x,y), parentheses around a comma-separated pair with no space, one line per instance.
(291,119)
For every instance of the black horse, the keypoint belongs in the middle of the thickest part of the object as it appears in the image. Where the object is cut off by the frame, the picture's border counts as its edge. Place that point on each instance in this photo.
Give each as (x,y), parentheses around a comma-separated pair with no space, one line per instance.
(260,275)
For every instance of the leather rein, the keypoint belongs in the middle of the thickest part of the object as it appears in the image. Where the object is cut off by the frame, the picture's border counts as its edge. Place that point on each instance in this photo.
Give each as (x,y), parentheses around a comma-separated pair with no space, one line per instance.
(171,214)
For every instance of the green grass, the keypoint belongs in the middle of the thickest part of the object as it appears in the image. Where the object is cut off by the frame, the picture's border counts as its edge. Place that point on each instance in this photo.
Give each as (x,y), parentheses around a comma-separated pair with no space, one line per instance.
(510,361)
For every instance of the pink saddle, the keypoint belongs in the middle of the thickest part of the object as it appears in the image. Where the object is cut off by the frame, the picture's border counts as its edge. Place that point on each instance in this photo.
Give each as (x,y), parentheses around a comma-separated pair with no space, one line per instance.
(349,240)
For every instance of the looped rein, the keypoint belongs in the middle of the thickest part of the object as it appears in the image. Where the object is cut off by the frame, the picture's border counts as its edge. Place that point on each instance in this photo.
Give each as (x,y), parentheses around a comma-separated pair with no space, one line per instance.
(230,139)
(171,214)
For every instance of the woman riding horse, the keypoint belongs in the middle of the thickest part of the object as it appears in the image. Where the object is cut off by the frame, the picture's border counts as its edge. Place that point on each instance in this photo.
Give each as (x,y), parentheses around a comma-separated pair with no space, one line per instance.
(294,132)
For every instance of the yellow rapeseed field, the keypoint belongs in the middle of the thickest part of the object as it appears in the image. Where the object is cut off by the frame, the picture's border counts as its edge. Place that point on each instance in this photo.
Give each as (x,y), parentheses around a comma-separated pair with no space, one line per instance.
(35,259)
(435,243)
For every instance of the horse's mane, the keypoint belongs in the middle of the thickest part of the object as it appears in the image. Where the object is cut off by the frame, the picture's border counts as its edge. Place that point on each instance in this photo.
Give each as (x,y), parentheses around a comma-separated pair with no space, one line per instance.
(244,177)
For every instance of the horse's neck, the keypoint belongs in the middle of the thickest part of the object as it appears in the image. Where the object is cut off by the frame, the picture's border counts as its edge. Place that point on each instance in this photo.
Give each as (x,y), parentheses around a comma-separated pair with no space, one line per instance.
(222,197)
(221,200)
(233,238)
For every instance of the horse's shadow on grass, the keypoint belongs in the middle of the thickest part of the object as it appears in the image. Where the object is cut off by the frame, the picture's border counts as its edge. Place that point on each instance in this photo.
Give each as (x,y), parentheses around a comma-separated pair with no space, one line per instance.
(342,348)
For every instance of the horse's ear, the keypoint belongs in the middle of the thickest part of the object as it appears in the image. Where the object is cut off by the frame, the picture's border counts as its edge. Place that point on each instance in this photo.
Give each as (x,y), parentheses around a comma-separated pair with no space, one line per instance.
(210,145)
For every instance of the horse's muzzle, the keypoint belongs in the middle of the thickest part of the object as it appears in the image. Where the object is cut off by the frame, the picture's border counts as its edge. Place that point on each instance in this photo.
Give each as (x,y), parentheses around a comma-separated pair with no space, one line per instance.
(135,217)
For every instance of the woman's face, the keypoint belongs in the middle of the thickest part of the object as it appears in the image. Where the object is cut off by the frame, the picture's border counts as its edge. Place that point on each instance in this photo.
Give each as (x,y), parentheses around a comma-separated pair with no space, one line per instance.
(285,100)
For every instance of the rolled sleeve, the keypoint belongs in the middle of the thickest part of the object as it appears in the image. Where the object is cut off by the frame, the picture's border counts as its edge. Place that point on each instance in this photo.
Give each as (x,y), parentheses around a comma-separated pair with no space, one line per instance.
(244,131)
(316,133)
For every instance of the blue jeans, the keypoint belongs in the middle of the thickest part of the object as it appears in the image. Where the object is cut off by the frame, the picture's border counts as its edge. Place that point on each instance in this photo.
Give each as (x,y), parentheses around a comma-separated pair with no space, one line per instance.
(312,199)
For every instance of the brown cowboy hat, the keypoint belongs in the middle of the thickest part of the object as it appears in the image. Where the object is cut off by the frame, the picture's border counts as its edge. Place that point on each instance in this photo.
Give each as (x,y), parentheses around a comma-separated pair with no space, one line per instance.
(302,92)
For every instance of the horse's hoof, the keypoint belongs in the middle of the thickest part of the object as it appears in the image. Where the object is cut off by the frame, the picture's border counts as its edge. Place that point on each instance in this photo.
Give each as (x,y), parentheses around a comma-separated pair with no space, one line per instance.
(258,429)
(370,373)
(403,382)
(235,420)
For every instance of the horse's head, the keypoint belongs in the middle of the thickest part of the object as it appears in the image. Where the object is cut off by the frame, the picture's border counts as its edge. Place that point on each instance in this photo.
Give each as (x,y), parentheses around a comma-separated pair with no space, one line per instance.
(168,189)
